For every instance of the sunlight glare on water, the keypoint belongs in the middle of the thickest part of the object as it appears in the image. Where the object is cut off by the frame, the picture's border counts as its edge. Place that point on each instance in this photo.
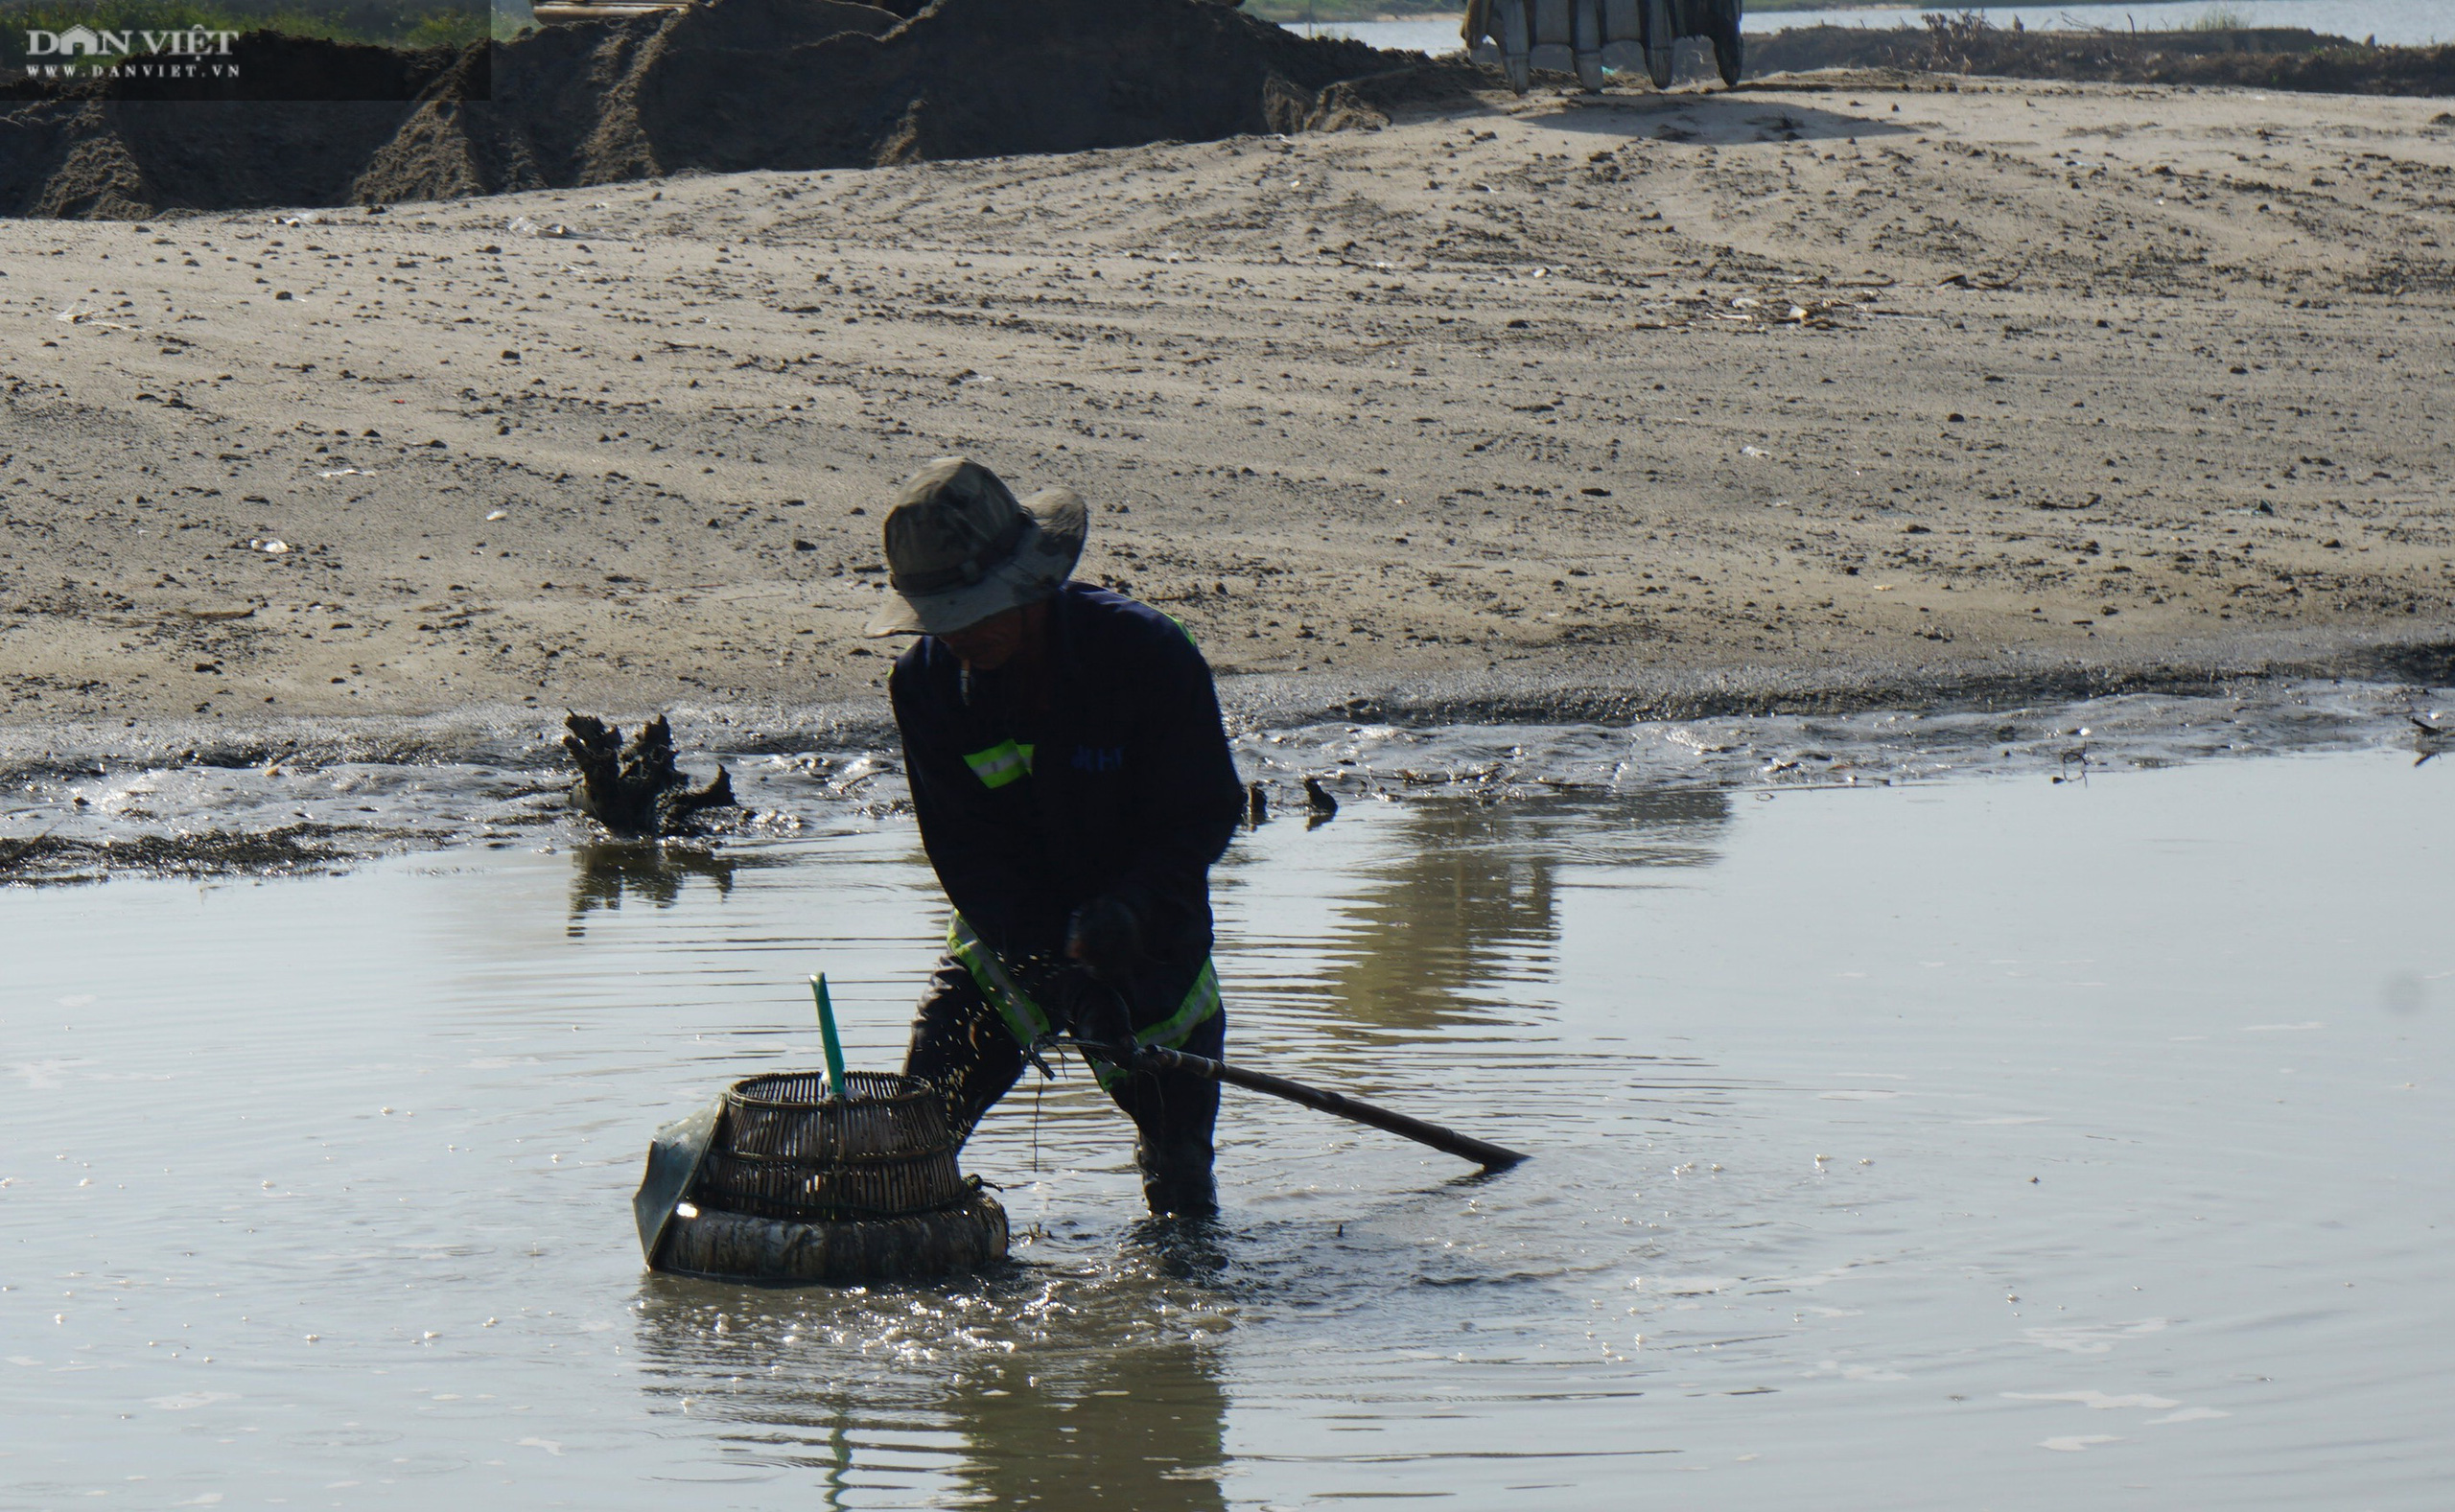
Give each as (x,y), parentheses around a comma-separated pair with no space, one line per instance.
(1988,1142)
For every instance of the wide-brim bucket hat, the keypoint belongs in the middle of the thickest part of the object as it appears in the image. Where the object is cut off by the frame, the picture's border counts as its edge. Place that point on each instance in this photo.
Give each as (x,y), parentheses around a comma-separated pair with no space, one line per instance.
(961,547)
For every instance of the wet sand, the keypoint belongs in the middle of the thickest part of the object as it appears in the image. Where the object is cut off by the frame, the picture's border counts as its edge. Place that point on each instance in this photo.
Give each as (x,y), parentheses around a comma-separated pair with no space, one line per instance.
(1826,383)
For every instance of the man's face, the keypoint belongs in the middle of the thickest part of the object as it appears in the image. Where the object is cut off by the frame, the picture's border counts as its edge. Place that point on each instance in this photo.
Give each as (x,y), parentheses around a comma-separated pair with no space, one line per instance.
(990,644)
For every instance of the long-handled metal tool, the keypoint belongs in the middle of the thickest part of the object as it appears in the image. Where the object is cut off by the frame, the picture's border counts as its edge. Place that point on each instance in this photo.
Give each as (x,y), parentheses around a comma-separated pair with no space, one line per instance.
(1156,1057)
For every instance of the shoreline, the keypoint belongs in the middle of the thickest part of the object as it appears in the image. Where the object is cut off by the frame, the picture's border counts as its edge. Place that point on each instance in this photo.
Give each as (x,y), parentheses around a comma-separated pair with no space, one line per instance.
(1264,703)
(321,799)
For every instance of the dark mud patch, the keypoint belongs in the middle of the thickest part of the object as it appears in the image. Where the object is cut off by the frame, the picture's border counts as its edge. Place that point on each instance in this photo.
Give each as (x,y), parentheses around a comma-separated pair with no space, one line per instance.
(2261,57)
(727,86)
(289,850)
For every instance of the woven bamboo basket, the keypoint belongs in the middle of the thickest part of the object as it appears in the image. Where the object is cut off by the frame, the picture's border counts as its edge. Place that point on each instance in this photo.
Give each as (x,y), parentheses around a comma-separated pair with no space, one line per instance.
(800,1186)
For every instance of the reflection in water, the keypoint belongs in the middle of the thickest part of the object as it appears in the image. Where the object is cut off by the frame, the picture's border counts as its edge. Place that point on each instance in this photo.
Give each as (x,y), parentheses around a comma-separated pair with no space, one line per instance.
(1082,1387)
(1469,900)
(1137,1426)
(605,871)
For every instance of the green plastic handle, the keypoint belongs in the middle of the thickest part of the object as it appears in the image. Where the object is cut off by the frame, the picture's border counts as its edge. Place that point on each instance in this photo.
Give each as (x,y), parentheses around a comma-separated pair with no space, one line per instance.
(826,1033)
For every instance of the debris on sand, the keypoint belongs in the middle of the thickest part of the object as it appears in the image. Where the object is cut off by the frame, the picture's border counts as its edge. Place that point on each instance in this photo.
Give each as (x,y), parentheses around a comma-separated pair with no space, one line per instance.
(637,789)
(725,86)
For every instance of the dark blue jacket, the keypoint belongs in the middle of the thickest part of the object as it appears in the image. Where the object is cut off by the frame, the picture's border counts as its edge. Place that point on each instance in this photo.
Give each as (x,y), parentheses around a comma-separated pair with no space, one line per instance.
(1131,788)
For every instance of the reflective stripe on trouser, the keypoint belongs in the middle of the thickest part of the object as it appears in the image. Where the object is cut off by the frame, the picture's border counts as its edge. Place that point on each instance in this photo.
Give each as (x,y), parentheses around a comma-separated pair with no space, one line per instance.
(961,1045)
(1002,763)
(1027,1021)
(1023,1018)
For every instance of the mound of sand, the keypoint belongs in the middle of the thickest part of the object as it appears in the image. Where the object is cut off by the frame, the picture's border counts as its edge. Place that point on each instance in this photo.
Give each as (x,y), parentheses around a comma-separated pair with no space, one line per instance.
(729,85)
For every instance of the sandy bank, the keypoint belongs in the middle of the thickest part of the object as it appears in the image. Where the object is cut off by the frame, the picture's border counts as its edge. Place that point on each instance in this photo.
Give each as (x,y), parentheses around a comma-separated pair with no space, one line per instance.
(1833,383)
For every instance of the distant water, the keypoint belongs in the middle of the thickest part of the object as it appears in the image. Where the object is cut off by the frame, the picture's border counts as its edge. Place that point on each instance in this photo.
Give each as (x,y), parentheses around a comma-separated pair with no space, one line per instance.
(2401,22)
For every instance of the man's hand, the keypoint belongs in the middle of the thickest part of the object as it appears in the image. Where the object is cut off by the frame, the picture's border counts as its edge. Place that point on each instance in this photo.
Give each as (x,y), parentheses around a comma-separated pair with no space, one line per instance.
(1095,1012)
(1105,935)
(1078,1003)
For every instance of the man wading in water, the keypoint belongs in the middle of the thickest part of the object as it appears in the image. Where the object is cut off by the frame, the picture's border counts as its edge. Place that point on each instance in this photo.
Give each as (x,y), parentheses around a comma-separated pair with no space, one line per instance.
(1073,787)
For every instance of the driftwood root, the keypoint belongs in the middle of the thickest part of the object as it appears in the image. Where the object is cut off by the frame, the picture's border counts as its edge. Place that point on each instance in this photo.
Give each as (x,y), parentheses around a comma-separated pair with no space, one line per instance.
(635,789)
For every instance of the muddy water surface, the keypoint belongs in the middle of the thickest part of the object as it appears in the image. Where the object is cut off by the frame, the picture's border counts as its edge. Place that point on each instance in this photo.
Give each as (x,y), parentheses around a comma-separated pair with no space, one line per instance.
(1992,1141)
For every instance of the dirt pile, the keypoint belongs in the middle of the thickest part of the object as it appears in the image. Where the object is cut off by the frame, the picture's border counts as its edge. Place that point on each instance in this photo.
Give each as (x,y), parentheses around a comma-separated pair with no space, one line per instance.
(2268,58)
(727,86)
